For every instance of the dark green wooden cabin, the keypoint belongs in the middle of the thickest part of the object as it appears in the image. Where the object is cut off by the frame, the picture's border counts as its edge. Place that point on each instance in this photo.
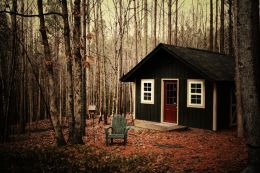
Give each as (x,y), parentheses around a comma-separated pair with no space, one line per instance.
(184,86)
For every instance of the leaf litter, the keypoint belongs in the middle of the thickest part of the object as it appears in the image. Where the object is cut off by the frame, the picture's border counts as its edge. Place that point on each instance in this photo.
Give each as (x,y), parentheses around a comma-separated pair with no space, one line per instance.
(192,150)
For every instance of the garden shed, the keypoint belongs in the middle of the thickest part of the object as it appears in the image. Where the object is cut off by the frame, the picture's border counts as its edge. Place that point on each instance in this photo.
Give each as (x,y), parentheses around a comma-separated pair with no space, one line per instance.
(184,86)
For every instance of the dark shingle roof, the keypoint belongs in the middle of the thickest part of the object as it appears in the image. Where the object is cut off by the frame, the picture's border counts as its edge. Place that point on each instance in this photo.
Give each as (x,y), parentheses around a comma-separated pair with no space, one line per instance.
(213,65)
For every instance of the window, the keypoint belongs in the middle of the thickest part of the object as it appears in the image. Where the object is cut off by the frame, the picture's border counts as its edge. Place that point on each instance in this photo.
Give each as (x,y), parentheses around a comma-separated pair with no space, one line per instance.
(171,95)
(147,91)
(196,93)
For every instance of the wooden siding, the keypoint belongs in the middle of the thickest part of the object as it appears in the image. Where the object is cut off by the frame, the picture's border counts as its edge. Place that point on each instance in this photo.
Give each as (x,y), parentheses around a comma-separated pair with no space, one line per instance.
(162,65)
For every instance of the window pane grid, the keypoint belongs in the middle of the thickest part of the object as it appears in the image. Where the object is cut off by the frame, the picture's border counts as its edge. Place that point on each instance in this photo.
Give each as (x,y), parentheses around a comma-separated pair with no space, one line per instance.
(171,93)
(147,86)
(196,99)
(147,96)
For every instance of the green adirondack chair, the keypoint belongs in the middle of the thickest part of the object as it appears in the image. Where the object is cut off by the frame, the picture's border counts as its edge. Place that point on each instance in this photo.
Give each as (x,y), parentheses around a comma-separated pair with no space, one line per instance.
(118,130)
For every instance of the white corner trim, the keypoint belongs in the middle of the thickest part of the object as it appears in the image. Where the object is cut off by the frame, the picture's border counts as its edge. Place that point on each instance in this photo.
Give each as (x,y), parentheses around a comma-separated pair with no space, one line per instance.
(162,101)
(214,118)
(134,98)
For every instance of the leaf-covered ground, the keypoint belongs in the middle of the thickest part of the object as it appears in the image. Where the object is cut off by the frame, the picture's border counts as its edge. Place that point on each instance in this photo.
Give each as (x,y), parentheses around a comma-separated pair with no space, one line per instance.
(192,150)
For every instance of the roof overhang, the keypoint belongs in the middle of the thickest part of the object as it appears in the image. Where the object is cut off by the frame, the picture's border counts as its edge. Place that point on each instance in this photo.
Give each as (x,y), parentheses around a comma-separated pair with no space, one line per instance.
(131,75)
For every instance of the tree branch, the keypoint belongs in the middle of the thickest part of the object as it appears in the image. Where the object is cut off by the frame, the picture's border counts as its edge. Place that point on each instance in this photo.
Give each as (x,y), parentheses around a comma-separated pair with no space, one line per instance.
(31,15)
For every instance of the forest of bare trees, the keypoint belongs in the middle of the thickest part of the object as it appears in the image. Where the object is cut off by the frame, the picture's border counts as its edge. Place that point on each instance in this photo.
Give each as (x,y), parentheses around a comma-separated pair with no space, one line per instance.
(58,57)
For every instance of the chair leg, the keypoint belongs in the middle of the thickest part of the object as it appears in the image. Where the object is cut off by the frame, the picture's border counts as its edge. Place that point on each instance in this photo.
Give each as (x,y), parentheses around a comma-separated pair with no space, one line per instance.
(106,139)
(125,141)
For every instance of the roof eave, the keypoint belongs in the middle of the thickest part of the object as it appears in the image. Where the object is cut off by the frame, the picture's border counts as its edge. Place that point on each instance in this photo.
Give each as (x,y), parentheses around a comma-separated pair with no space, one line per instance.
(128,76)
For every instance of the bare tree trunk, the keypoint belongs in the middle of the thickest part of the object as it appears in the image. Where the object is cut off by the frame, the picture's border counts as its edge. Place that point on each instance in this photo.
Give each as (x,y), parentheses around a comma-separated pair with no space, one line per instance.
(97,69)
(211,27)
(104,81)
(193,23)
(39,99)
(99,82)
(163,21)
(205,28)
(120,53)
(216,27)
(88,85)
(70,105)
(222,30)
(230,29)
(145,26)
(248,60)
(77,137)
(176,23)
(10,74)
(114,77)
(84,80)
(136,33)
(22,93)
(240,128)
(155,23)
(30,103)
(51,79)
(169,21)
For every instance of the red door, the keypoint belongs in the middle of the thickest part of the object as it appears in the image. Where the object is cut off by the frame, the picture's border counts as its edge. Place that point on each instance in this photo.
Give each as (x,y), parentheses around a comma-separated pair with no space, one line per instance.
(170,101)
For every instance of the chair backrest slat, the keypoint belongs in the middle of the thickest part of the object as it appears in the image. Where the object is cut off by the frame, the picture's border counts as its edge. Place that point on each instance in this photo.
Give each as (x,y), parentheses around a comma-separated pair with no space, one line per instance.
(118,124)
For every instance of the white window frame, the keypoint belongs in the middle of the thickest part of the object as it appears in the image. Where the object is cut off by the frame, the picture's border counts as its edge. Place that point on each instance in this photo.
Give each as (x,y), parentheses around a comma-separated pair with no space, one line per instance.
(143,81)
(202,94)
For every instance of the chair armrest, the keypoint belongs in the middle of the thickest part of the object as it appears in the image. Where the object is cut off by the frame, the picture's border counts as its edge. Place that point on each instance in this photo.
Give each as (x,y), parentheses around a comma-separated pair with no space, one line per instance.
(107,128)
(126,129)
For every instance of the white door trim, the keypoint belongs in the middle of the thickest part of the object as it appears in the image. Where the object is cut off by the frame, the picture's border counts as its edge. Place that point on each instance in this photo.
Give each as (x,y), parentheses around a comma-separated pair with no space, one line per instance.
(162,98)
